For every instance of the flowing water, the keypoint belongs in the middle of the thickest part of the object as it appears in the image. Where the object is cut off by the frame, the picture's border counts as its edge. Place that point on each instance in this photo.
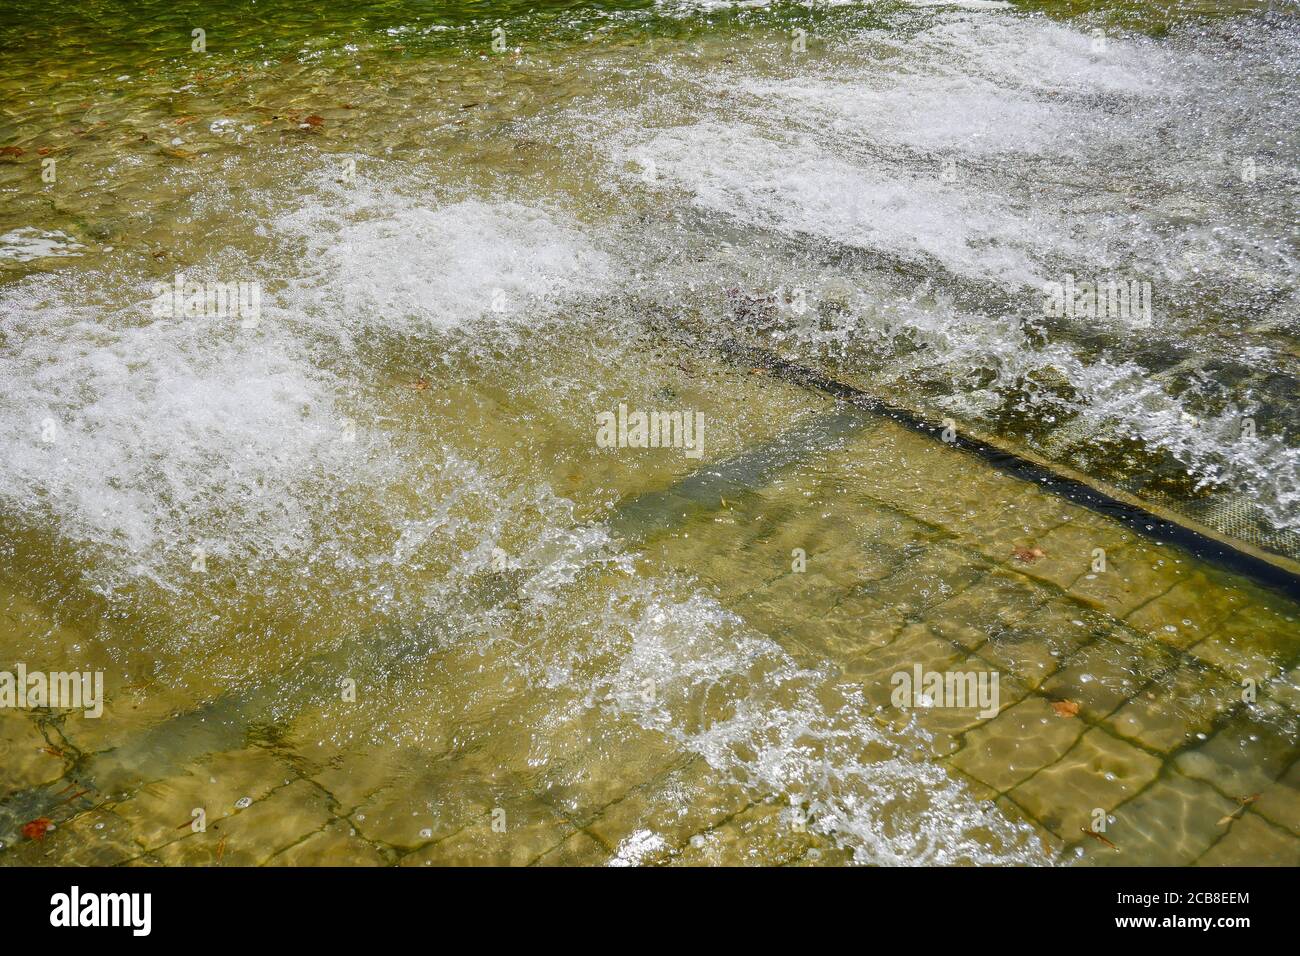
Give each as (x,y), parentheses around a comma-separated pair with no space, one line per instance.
(362,583)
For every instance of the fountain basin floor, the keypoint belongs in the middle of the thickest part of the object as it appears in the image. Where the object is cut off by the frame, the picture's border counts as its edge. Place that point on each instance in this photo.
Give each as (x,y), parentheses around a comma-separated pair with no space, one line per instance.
(911,559)
(366,587)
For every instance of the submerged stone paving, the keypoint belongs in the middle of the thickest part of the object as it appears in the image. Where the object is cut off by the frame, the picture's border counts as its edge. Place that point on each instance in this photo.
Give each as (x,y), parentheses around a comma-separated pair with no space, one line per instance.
(1120,700)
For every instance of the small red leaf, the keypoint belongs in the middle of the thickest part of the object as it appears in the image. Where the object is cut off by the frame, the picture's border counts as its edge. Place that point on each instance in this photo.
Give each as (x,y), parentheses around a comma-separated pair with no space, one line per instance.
(35,829)
(1065,708)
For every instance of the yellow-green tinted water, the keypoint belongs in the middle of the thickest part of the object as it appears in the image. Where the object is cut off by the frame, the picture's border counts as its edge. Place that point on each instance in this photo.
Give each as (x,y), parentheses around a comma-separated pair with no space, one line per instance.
(363,586)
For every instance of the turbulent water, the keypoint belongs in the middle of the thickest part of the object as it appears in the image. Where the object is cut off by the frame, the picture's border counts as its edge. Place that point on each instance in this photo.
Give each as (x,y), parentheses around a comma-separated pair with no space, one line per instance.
(468,243)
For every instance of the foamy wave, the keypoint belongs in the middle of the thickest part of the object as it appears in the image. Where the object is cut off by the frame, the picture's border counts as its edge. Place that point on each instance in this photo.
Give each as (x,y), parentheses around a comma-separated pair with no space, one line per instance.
(29,243)
(375,257)
(761,722)
(160,437)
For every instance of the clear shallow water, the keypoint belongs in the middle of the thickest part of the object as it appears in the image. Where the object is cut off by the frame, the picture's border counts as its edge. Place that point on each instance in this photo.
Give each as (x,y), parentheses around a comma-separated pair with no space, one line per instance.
(464,255)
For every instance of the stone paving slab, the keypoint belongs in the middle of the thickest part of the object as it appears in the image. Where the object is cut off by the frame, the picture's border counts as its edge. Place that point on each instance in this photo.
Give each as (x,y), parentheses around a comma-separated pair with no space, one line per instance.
(1253,841)
(1107,672)
(1246,754)
(1279,803)
(1177,708)
(1151,652)
(1019,742)
(1170,823)
(1098,773)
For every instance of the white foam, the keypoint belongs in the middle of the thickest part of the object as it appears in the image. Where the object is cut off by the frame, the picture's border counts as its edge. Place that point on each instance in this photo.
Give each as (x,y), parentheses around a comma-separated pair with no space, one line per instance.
(29,243)
(152,438)
(783,181)
(376,257)
(964,4)
(735,697)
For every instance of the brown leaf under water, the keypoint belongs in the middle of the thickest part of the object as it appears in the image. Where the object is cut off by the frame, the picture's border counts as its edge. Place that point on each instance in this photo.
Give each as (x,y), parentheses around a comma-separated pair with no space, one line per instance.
(1097,836)
(314,120)
(1245,802)
(420,384)
(11,150)
(1065,708)
(35,829)
(1028,555)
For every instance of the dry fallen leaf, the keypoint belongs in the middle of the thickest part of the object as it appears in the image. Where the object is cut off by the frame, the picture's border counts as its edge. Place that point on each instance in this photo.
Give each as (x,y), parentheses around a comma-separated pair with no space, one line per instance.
(1065,708)
(1245,802)
(35,829)
(1097,836)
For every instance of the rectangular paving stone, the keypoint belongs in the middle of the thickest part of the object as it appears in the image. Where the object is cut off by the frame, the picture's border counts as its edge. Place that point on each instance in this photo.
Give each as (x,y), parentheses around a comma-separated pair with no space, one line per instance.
(1034,651)
(1279,803)
(1051,845)
(1068,551)
(531,830)
(337,844)
(580,849)
(948,724)
(915,645)
(1171,823)
(1188,612)
(1098,772)
(254,835)
(1253,841)
(1256,643)
(676,806)
(160,812)
(998,600)
(1176,707)
(928,576)
(764,834)
(1104,674)
(1021,740)
(855,627)
(1251,751)
(1134,576)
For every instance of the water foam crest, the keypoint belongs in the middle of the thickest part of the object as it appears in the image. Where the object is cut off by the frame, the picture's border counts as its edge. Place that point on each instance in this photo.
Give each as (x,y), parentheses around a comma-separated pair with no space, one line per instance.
(378,258)
(763,723)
